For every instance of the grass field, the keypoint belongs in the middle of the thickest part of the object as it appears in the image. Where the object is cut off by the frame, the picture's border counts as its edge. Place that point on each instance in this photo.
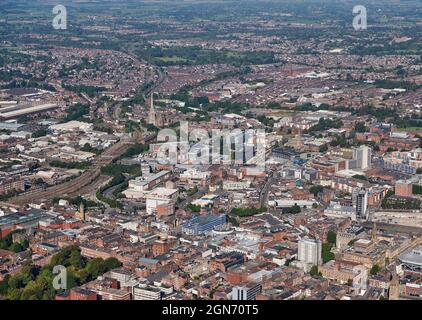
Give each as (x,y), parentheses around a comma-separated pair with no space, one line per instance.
(172,59)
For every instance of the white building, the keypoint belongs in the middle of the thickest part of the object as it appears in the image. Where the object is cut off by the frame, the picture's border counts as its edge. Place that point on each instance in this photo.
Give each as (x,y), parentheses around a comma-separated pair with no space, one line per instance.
(146,293)
(246,292)
(160,197)
(361,158)
(309,252)
(138,188)
(360,201)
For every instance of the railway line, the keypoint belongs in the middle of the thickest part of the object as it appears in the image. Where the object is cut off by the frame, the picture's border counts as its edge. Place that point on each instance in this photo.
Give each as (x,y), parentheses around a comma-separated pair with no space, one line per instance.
(84,183)
(72,188)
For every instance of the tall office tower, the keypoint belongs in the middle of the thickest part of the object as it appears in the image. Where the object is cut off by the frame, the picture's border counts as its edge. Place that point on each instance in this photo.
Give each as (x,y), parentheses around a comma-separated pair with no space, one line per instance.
(246,292)
(362,157)
(151,115)
(360,199)
(309,252)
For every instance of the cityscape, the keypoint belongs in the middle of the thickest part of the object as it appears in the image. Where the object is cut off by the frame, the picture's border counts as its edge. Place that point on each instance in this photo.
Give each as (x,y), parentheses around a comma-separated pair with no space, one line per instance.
(218,150)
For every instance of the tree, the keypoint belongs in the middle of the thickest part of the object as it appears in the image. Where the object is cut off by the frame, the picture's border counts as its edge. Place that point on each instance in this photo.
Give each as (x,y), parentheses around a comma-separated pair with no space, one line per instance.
(292,210)
(32,291)
(95,267)
(111,263)
(359,177)
(72,278)
(246,212)
(351,242)
(326,253)
(39,181)
(16,247)
(39,133)
(375,269)
(314,271)
(76,260)
(331,237)
(35,283)
(323,148)
(194,207)
(360,127)
(316,189)
(4,285)
(14,294)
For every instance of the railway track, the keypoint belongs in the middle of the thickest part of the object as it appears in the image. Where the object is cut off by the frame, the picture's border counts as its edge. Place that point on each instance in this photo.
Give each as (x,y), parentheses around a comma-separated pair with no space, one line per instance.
(81,184)
(72,187)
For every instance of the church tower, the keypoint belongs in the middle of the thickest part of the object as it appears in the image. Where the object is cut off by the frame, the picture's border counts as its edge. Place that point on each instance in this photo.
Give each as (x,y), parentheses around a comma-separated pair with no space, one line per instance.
(394,290)
(374,232)
(151,115)
(82,211)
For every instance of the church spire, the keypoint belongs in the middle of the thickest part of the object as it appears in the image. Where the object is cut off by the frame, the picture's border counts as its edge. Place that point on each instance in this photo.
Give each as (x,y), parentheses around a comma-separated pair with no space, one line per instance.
(151,115)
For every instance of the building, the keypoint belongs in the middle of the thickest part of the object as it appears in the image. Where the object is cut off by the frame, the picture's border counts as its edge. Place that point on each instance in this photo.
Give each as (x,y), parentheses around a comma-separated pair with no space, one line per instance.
(360,197)
(361,158)
(139,187)
(12,185)
(344,273)
(403,188)
(161,201)
(336,210)
(246,292)
(411,218)
(203,224)
(226,260)
(160,247)
(402,161)
(81,212)
(11,222)
(146,293)
(194,177)
(77,294)
(13,112)
(309,252)
(412,261)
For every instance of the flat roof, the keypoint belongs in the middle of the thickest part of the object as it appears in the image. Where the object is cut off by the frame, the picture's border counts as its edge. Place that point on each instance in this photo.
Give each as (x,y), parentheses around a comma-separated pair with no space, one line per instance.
(23,111)
(413,257)
(10,126)
(162,192)
(17,218)
(149,179)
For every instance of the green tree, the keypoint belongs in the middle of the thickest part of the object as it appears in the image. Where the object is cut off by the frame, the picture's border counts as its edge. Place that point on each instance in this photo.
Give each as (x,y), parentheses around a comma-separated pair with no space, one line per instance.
(323,148)
(16,247)
(76,260)
(331,237)
(359,177)
(292,210)
(314,271)
(360,127)
(95,267)
(375,269)
(193,207)
(4,285)
(316,190)
(326,253)
(111,263)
